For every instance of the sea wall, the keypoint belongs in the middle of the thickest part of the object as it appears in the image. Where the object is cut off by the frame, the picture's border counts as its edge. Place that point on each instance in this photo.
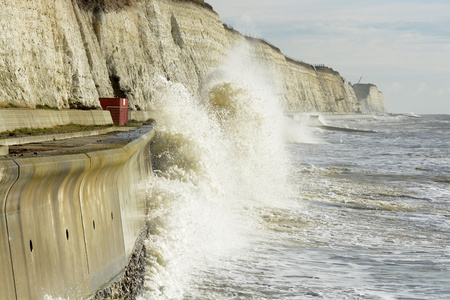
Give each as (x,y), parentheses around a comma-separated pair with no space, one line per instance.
(370,99)
(11,119)
(68,223)
(68,53)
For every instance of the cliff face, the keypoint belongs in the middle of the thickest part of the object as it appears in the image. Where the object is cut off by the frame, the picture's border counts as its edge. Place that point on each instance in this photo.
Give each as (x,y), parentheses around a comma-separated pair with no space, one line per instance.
(370,99)
(66,53)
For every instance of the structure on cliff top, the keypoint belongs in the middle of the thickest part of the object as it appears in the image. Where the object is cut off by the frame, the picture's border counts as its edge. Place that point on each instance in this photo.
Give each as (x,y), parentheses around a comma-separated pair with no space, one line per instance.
(67,54)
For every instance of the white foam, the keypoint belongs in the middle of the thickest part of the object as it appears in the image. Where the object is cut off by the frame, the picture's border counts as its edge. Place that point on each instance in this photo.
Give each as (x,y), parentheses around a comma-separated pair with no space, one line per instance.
(218,164)
(298,131)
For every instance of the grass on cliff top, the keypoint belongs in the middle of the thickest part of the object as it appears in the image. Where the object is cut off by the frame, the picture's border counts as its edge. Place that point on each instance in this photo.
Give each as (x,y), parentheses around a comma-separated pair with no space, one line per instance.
(20,132)
(117,5)
(198,2)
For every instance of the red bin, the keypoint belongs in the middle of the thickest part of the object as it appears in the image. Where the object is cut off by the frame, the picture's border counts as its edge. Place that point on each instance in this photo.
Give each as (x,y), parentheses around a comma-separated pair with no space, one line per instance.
(118,107)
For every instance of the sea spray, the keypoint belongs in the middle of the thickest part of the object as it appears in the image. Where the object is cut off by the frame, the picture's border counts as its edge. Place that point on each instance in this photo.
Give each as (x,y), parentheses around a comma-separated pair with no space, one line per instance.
(298,131)
(368,218)
(220,163)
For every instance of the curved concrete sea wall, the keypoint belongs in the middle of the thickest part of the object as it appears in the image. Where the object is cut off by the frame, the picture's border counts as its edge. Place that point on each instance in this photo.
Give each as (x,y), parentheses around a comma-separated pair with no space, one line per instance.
(68,223)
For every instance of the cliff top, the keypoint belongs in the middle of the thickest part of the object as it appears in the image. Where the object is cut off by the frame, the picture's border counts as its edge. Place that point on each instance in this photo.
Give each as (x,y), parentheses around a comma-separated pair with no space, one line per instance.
(112,5)
(364,85)
(321,68)
(198,2)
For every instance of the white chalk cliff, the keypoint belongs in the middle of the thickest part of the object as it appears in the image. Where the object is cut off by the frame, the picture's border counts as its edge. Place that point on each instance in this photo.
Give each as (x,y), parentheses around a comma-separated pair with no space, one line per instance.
(370,99)
(68,53)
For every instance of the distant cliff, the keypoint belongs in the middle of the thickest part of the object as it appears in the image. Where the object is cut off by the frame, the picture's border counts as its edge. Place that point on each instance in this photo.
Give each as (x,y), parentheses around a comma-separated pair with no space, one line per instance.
(68,53)
(370,99)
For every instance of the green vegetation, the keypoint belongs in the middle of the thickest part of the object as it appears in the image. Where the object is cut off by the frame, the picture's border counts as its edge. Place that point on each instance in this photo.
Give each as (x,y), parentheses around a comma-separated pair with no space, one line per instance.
(299,62)
(105,5)
(9,105)
(38,106)
(114,5)
(199,2)
(45,106)
(54,130)
(230,28)
(261,40)
(251,38)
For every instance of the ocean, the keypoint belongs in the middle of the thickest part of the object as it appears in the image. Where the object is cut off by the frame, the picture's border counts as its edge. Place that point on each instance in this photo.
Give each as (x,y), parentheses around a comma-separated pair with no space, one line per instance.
(247,203)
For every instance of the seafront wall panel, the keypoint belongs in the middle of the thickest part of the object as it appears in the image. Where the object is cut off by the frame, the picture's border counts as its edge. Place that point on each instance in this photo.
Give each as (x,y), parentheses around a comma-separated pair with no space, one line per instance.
(11,119)
(45,229)
(9,172)
(69,222)
(100,206)
(134,190)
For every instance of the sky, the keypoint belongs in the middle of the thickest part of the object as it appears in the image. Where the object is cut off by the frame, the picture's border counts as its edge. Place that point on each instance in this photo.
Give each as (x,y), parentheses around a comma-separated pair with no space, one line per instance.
(402,46)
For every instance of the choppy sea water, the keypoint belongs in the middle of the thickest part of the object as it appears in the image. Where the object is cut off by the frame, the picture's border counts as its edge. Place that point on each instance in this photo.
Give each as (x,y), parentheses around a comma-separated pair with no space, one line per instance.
(249,204)
(367,216)
(378,210)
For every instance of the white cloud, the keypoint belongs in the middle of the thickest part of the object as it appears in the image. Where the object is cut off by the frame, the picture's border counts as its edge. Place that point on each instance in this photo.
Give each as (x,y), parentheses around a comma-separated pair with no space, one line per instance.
(395,87)
(421,88)
(443,92)
(246,19)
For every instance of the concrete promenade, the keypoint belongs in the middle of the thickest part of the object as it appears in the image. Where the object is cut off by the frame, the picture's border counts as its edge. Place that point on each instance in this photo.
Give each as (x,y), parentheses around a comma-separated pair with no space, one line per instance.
(70,216)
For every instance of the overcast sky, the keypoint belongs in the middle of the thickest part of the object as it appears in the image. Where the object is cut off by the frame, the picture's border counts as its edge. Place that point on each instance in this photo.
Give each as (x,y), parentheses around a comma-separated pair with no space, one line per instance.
(402,46)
